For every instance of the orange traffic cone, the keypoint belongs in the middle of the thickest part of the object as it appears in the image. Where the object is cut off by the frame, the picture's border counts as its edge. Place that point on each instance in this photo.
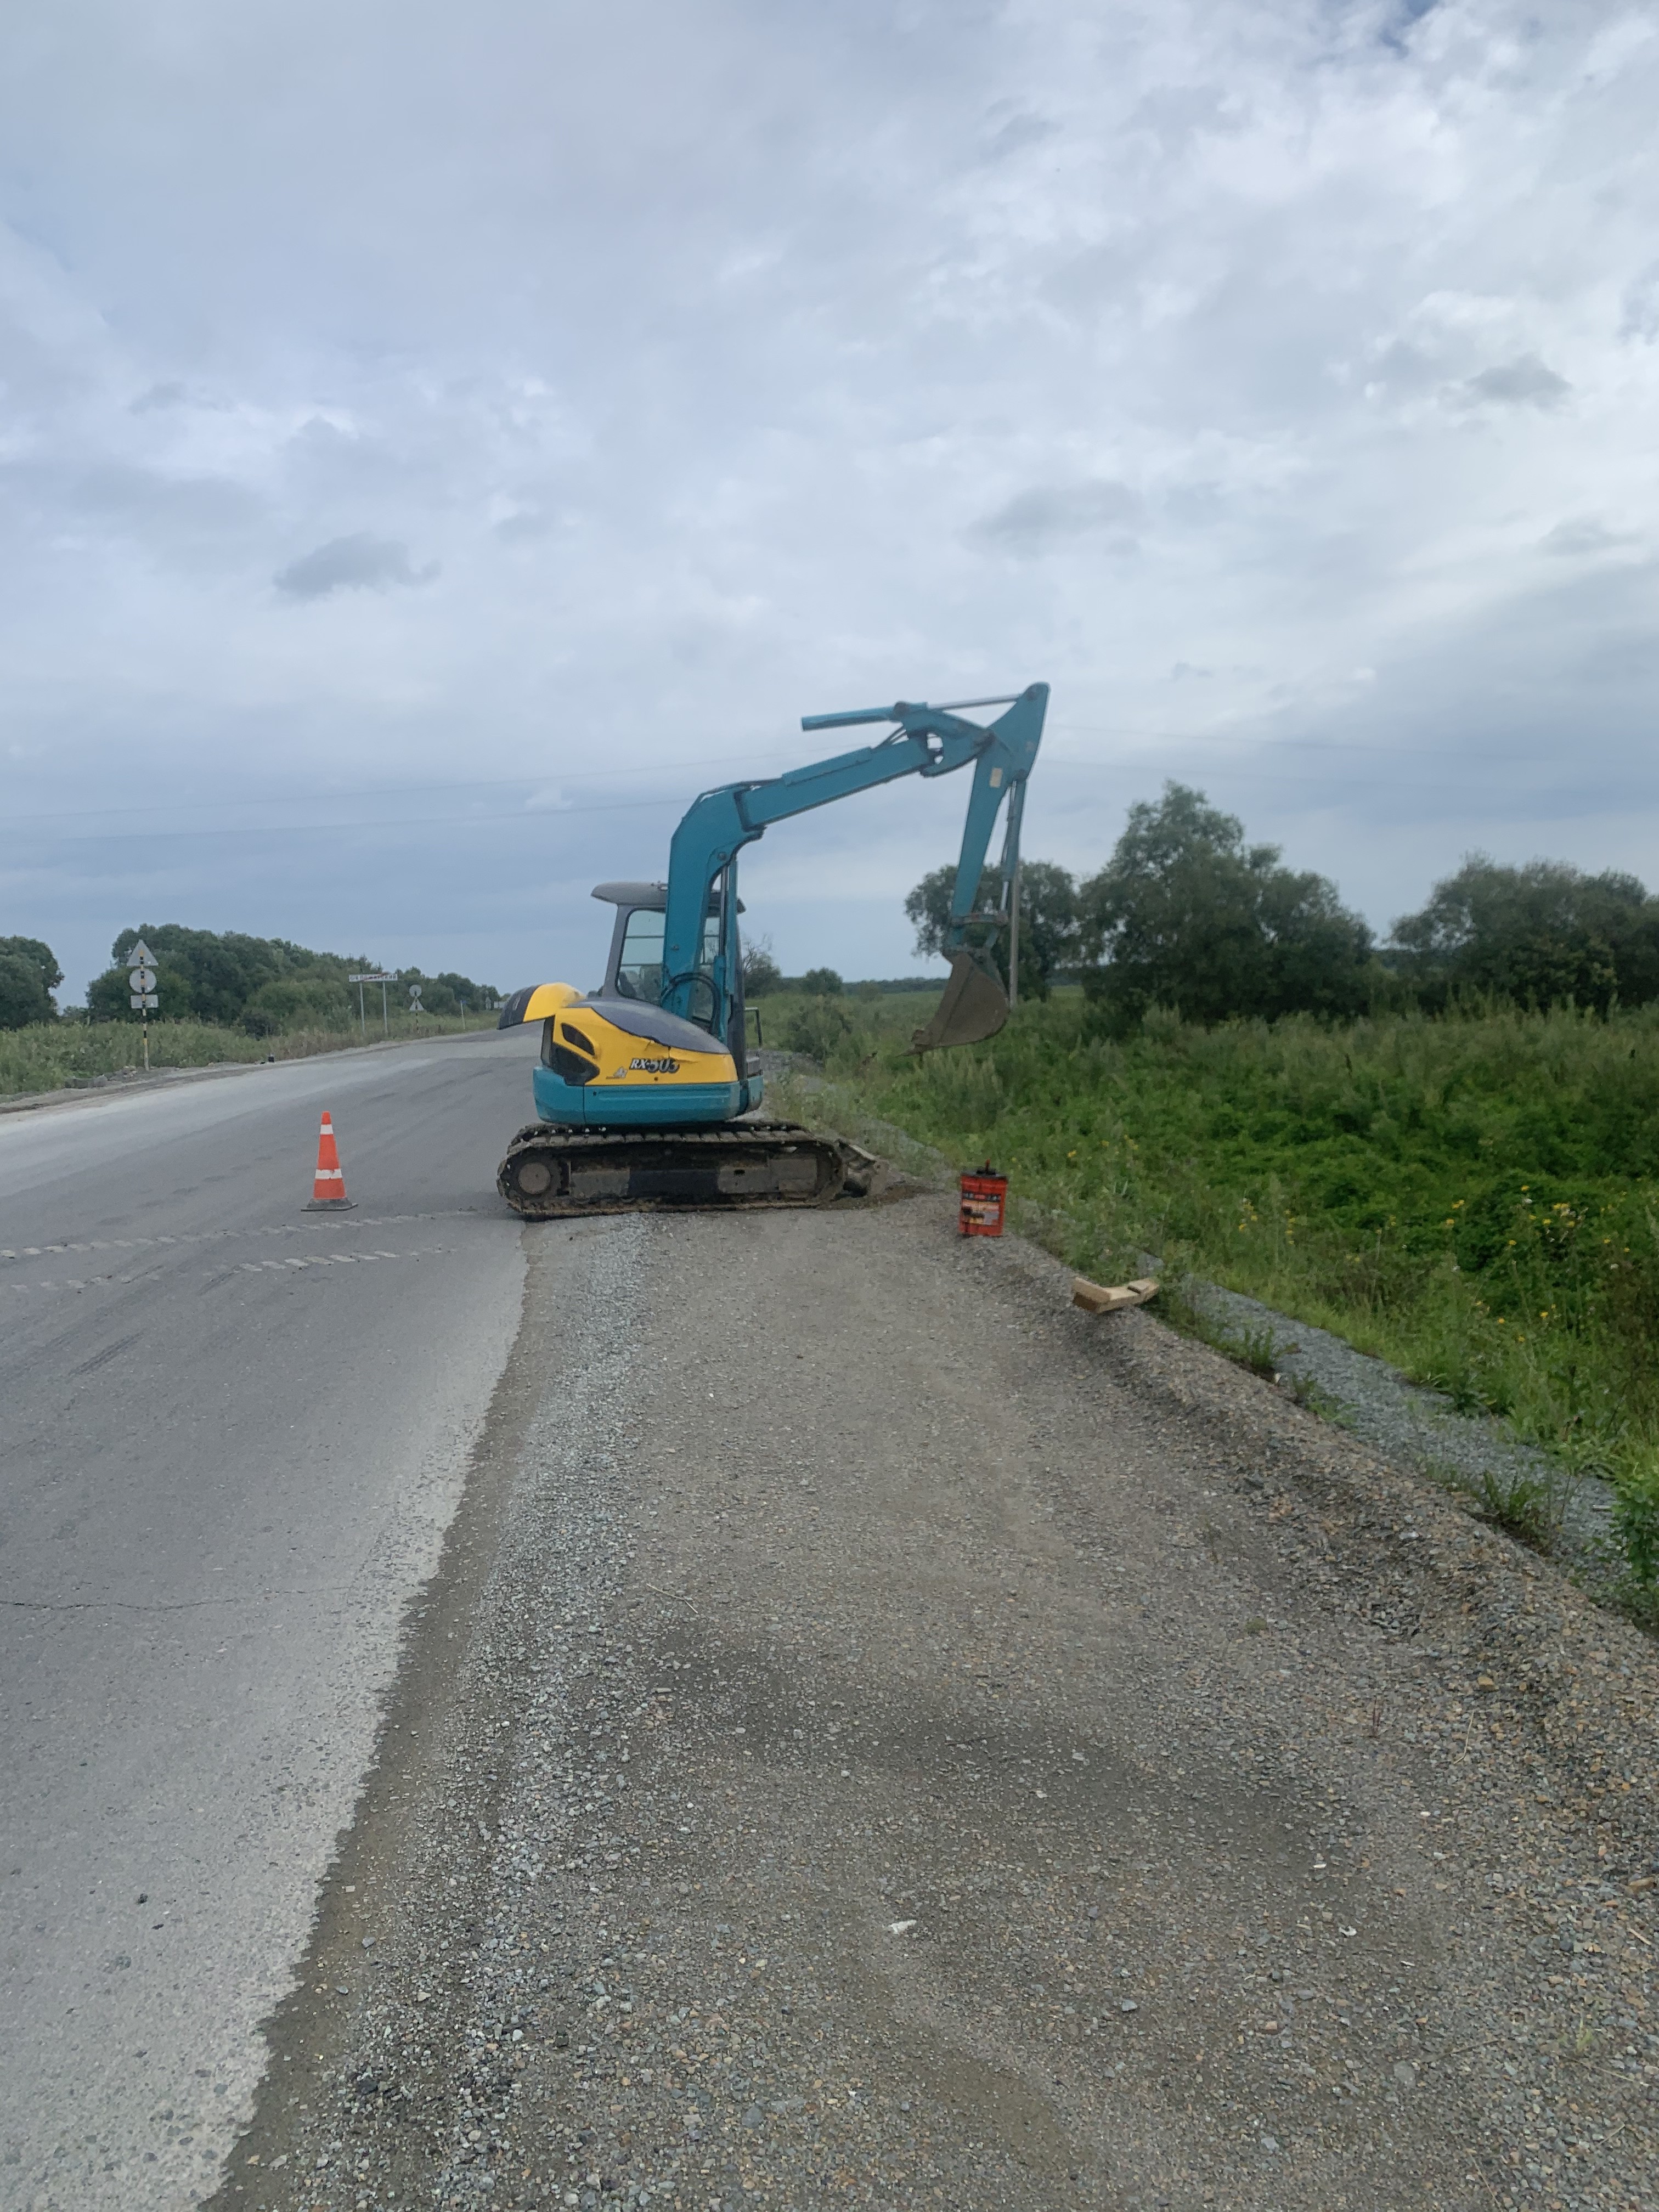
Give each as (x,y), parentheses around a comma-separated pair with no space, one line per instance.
(328,1191)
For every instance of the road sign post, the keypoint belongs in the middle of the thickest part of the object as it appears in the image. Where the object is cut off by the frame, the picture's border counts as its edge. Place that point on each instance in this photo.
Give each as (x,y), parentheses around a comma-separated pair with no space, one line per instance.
(385,1018)
(141,977)
(415,1000)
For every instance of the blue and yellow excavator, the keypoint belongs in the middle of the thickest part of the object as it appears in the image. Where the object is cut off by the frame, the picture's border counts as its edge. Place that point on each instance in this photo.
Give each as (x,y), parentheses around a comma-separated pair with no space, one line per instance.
(646,1092)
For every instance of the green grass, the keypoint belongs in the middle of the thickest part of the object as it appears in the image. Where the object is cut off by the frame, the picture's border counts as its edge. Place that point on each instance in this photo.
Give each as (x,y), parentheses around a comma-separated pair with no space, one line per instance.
(1474,1198)
(47,1055)
(844,1034)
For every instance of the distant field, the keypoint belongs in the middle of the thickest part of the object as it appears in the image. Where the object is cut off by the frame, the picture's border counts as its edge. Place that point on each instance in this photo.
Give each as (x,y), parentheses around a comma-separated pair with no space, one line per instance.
(1474,1198)
(50,1055)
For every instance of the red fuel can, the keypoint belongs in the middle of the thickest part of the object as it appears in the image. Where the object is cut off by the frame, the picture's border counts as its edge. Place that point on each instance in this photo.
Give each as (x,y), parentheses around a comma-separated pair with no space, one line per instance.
(984,1197)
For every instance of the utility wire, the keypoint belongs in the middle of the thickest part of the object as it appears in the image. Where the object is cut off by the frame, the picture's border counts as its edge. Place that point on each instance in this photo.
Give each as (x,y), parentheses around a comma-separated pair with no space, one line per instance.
(1165,747)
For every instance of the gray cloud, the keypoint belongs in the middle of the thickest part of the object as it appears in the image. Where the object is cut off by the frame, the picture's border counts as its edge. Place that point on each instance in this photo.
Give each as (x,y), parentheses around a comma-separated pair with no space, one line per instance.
(522,528)
(1050,515)
(1403,370)
(1584,536)
(355,563)
(1523,382)
(1018,132)
(1640,318)
(1399,18)
(1178,113)
(152,502)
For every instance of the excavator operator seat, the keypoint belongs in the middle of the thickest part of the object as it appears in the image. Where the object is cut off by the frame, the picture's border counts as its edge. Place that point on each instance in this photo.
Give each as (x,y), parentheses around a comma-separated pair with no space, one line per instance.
(639,959)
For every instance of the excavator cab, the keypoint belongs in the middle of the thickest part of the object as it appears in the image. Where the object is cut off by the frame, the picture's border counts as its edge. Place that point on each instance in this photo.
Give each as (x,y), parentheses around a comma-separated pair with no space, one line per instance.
(618,1058)
(635,969)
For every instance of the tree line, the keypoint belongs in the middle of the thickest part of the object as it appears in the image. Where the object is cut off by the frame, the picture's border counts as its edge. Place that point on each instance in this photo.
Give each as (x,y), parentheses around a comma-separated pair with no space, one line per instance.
(1189,914)
(264,986)
(762,978)
(1186,914)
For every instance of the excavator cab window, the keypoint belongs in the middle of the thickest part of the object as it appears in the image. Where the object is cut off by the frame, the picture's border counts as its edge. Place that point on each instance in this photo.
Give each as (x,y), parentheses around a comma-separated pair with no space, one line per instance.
(639,970)
(638,966)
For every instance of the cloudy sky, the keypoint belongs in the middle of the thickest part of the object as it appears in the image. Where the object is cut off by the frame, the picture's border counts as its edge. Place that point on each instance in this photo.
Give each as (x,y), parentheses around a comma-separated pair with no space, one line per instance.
(436,441)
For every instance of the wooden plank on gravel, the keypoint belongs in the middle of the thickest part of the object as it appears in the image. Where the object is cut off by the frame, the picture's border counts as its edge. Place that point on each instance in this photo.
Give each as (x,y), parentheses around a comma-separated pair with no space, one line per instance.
(1111,1298)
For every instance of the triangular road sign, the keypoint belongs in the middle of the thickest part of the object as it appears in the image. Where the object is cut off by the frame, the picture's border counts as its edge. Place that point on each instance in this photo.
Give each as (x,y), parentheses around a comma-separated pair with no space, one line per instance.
(141,956)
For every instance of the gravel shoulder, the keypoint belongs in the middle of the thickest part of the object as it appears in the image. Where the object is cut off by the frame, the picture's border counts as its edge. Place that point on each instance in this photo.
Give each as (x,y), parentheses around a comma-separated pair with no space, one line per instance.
(1419,1428)
(880,1735)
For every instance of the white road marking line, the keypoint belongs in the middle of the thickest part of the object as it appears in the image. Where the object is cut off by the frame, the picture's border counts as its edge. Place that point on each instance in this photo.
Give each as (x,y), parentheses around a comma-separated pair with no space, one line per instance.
(217,1236)
(242,1267)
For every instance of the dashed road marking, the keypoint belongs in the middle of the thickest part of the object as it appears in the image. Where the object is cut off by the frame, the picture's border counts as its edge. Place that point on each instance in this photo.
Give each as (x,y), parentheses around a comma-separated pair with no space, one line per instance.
(335,1259)
(243,1267)
(219,1236)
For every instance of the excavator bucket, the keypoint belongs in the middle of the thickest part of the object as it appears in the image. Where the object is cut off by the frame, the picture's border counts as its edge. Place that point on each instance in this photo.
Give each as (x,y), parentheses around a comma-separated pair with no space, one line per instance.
(974,1006)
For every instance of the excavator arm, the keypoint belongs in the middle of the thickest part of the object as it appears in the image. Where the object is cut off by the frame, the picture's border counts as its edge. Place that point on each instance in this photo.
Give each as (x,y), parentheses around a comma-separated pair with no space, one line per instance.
(927,741)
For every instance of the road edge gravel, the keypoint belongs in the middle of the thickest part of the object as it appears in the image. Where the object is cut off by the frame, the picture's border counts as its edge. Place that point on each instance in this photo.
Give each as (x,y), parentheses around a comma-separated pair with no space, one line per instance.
(1567,1871)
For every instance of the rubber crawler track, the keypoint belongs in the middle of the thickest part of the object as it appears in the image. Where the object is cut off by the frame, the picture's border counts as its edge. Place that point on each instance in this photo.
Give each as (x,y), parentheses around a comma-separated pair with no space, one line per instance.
(669,1170)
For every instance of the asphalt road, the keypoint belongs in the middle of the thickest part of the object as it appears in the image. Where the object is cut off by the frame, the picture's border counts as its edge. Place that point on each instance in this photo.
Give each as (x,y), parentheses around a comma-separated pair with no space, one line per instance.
(232,1435)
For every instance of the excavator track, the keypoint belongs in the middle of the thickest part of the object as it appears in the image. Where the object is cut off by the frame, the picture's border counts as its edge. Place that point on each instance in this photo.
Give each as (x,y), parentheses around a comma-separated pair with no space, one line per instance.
(551,1174)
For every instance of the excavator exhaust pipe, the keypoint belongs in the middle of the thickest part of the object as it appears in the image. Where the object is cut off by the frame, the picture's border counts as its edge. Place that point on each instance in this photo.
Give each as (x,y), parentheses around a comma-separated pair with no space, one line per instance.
(974,1006)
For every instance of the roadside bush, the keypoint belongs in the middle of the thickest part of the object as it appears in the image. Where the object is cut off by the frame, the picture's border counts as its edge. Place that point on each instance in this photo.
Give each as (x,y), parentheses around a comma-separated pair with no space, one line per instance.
(846,1034)
(208,975)
(1185,914)
(1543,935)
(29,974)
(265,986)
(816,1027)
(1048,921)
(314,1001)
(1636,1515)
(448,993)
(23,997)
(761,974)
